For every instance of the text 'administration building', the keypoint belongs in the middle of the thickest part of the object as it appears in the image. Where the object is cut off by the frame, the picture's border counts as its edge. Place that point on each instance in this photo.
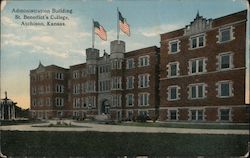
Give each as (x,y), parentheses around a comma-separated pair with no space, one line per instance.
(198,74)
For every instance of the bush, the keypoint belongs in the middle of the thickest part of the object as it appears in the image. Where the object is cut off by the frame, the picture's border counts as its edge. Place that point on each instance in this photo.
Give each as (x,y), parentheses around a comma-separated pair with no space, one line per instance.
(141,118)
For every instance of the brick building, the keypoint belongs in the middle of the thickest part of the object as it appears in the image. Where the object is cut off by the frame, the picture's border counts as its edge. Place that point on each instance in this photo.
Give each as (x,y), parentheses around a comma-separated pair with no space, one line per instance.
(48,91)
(121,84)
(203,69)
(197,74)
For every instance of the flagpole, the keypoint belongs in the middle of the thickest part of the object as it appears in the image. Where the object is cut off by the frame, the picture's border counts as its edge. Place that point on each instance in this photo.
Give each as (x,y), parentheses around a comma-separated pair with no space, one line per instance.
(118,29)
(93,34)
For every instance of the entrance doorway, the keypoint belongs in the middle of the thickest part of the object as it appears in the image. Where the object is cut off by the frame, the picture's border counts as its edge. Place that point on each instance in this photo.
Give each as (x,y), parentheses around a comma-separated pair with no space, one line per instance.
(105,109)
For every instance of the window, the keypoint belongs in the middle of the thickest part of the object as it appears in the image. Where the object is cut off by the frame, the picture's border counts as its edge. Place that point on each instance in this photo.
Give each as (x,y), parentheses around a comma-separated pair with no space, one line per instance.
(59,113)
(130,63)
(173,93)
(84,87)
(47,88)
(143,81)
(197,91)
(84,74)
(225,89)
(173,69)
(84,104)
(225,34)
(33,90)
(174,46)
(116,100)
(47,101)
(224,114)
(33,78)
(130,82)
(197,66)
(173,114)
(91,101)
(129,115)
(116,83)
(76,114)
(143,61)
(40,89)
(130,100)
(143,113)
(91,69)
(59,101)
(143,99)
(104,69)
(196,115)
(48,75)
(116,64)
(104,85)
(76,74)
(34,102)
(197,41)
(225,61)
(40,102)
(59,88)
(76,102)
(59,76)
(90,86)
(76,89)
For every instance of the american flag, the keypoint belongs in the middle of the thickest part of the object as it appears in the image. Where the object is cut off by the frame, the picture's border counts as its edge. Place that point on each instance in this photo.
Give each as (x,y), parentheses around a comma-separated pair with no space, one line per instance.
(124,26)
(100,31)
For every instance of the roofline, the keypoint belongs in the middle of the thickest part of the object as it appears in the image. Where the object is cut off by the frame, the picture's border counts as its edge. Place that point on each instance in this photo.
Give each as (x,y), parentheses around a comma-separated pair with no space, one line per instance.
(230,14)
(56,66)
(143,49)
(81,64)
(172,31)
(212,19)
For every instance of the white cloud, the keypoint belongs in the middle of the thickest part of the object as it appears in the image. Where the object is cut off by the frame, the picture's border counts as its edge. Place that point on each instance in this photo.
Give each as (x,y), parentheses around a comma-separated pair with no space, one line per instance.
(75,51)
(50,51)
(8,21)
(157,30)
(83,34)
(44,39)
(17,43)
(134,46)
(8,35)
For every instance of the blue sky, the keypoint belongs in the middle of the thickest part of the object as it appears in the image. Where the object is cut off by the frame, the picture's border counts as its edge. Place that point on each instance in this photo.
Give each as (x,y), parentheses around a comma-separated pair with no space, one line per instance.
(23,47)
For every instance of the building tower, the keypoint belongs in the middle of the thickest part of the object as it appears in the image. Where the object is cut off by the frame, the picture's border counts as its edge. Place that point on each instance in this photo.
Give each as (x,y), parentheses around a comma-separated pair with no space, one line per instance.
(92,56)
(117,49)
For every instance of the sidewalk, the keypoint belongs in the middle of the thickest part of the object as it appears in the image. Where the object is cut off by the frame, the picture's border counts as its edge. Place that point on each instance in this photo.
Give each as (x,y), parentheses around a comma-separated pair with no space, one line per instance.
(120,128)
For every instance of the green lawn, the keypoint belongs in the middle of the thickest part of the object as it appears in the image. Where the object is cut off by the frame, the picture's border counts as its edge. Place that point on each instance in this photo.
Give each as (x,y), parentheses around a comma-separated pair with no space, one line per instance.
(18,122)
(97,144)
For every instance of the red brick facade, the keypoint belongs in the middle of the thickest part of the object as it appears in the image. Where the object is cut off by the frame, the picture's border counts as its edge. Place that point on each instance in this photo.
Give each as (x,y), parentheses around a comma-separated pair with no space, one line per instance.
(48,91)
(198,74)
(82,94)
(209,74)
